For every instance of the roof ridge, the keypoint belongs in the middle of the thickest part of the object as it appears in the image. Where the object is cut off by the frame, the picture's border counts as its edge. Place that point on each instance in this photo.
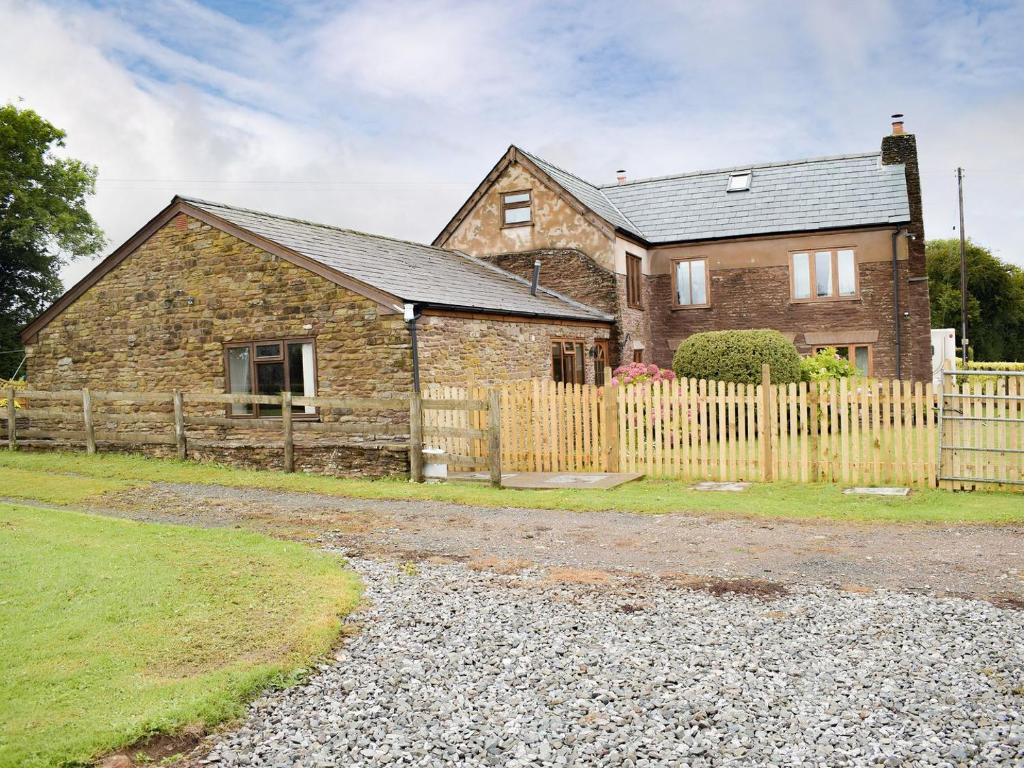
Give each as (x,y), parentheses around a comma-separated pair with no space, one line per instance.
(557,167)
(524,281)
(748,167)
(446,251)
(350,231)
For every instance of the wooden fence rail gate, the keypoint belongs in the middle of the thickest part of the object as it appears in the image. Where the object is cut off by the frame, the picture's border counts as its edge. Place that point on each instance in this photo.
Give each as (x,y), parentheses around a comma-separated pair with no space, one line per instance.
(851,431)
(467,426)
(982,429)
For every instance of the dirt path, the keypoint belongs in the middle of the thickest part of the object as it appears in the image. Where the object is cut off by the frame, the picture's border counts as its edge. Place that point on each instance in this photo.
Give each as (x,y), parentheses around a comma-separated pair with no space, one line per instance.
(962,560)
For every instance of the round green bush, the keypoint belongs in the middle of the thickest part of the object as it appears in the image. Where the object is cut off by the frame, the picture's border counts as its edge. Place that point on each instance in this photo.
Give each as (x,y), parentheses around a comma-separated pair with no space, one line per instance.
(737,356)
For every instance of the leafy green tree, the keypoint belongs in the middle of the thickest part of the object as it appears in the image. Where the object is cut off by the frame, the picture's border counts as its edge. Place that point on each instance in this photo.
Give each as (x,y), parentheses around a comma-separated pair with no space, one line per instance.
(44,223)
(995,299)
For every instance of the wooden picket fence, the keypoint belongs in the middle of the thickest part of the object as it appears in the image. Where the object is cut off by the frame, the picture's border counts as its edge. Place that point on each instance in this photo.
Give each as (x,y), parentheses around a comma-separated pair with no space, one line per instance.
(850,431)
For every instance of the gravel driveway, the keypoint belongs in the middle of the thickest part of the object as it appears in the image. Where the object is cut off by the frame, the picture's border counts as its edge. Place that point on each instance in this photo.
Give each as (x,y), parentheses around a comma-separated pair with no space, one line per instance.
(454,666)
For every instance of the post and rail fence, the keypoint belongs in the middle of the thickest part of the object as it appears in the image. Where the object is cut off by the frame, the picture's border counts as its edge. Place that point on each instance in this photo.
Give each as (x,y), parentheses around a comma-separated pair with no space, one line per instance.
(851,431)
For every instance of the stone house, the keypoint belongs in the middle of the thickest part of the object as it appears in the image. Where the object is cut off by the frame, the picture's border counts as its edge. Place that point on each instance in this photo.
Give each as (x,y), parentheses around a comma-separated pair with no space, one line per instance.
(212,298)
(829,251)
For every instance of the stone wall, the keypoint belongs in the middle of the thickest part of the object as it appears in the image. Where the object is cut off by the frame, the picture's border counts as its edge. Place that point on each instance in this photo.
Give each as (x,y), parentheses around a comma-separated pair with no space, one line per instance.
(556,224)
(569,271)
(333,460)
(461,350)
(160,319)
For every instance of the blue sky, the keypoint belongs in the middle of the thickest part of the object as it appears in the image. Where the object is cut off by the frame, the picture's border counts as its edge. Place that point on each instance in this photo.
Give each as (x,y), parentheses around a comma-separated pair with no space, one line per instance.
(384,115)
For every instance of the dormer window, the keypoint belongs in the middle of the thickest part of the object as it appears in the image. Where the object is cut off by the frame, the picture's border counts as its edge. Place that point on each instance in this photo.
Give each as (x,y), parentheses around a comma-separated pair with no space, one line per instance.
(739,182)
(516,209)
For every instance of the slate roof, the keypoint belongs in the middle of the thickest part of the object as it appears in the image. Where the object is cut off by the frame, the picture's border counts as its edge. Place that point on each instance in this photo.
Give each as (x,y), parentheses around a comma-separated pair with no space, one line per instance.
(412,272)
(586,193)
(798,196)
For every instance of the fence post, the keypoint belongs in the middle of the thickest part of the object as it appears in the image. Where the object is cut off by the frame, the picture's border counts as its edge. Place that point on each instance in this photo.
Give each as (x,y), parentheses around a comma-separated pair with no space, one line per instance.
(415,438)
(494,436)
(611,421)
(179,423)
(814,422)
(90,431)
(286,424)
(764,424)
(12,417)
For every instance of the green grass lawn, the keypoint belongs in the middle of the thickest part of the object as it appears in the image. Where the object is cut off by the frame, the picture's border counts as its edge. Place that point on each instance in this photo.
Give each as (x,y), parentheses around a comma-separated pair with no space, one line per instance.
(771,500)
(112,630)
(18,483)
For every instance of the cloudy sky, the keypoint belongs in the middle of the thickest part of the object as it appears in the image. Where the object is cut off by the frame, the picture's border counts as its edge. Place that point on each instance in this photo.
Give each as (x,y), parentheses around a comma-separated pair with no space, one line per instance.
(383,115)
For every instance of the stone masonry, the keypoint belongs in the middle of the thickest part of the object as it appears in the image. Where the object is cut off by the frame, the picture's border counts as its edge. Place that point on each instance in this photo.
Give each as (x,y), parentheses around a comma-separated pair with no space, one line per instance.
(478,349)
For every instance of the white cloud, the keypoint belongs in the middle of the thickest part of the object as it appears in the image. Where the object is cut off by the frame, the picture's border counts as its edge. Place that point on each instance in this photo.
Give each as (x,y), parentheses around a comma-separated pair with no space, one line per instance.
(383,115)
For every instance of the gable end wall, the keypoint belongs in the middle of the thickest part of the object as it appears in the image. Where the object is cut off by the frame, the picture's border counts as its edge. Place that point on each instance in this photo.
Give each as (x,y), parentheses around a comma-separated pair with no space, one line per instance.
(136,330)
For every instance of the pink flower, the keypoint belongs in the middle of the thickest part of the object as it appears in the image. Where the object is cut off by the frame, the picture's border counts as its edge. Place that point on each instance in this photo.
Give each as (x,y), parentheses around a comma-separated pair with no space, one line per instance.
(652,368)
(615,381)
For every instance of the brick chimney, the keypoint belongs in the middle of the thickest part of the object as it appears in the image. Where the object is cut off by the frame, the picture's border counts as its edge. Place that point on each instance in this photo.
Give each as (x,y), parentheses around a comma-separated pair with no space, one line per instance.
(899,148)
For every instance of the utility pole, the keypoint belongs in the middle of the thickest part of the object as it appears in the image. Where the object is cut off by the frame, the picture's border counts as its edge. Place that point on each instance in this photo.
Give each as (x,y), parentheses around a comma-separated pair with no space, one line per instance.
(963,266)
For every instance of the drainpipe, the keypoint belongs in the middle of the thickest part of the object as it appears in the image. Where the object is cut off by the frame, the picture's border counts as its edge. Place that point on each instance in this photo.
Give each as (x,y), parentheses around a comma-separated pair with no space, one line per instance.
(896,302)
(410,322)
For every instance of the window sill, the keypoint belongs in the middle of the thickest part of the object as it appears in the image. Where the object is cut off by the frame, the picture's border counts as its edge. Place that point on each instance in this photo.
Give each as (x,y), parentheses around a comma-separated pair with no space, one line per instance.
(686,307)
(295,417)
(827,300)
(517,226)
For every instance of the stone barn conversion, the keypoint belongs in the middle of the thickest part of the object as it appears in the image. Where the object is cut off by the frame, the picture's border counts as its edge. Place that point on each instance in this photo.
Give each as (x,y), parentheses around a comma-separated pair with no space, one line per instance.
(208,297)
(211,298)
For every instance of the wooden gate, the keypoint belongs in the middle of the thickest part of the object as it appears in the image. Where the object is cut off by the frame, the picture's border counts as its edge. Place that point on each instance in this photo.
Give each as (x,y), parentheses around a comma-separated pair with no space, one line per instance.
(981,429)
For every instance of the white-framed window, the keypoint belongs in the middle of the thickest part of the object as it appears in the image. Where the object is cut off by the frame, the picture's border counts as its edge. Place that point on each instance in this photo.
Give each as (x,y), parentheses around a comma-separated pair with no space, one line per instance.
(823,274)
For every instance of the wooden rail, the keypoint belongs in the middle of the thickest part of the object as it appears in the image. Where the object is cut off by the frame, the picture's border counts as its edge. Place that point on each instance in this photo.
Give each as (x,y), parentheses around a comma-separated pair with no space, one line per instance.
(83,416)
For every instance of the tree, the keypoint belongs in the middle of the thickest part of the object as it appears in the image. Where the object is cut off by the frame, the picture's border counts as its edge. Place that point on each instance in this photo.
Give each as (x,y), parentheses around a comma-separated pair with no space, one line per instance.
(995,299)
(44,223)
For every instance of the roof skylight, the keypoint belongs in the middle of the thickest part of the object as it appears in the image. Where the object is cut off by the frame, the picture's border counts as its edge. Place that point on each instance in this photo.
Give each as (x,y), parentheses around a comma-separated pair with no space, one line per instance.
(739,182)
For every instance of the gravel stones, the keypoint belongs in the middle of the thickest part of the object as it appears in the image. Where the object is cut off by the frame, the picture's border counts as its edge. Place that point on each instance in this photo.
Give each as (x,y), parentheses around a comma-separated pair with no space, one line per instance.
(458,667)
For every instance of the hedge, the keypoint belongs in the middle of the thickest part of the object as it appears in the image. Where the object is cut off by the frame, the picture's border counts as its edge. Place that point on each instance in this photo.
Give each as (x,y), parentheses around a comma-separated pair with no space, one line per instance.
(737,356)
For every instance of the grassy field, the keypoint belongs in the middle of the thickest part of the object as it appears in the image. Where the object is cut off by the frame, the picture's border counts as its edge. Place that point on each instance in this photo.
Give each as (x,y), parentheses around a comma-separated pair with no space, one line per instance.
(772,500)
(112,630)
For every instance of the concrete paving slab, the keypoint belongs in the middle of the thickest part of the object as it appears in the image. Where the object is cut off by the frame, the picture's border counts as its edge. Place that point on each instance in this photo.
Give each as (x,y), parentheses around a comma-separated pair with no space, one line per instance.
(880,491)
(714,486)
(542,480)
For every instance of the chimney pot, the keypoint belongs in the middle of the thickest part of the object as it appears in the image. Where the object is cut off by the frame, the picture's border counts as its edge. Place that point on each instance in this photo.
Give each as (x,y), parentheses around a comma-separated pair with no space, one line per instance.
(620,176)
(897,124)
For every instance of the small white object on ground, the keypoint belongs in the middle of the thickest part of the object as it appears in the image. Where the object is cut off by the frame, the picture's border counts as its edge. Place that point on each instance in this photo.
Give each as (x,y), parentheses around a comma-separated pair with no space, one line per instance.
(435,464)
(880,491)
(713,486)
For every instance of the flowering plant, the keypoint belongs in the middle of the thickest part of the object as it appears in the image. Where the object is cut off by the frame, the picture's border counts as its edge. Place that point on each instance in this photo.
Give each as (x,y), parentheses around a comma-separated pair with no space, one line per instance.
(5,385)
(637,373)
